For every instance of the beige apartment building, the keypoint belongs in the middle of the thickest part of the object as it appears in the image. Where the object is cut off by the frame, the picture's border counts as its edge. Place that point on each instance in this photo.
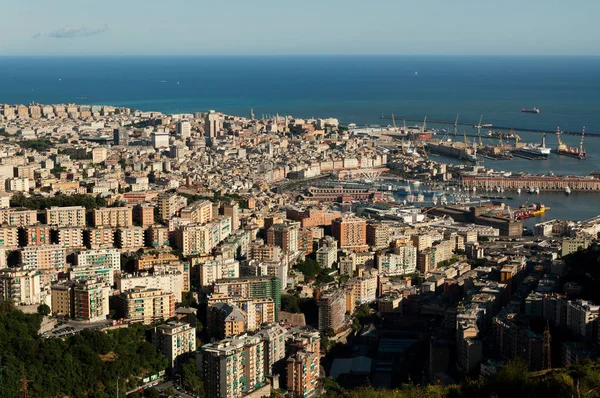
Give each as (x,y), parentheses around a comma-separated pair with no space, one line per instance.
(303,374)
(175,340)
(131,238)
(36,235)
(143,214)
(43,257)
(71,237)
(114,217)
(351,232)
(233,367)
(168,204)
(146,305)
(62,299)
(71,216)
(20,286)
(19,218)
(170,282)
(198,212)
(99,238)
(90,300)
(9,237)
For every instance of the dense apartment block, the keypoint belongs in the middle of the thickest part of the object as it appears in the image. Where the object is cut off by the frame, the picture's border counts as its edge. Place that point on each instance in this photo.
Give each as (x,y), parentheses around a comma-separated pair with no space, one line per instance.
(99,238)
(43,257)
(221,268)
(176,341)
(19,218)
(225,320)
(171,282)
(303,374)
(22,287)
(332,310)
(401,262)
(9,237)
(70,237)
(285,236)
(143,215)
(232,367)
(35,235)
(146,305)
(82,300)
(109,258)
(113,217)
(71,216)
(198,212)
(130,238)
(168,204)
(157,236)
(251,288)
(351,232)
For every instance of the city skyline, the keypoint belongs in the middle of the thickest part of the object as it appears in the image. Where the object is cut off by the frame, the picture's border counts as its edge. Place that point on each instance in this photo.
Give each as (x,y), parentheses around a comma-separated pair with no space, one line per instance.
(272,28)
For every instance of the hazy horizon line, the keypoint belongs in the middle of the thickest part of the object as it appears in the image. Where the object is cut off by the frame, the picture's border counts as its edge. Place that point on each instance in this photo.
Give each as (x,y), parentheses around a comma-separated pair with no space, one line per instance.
(291,55)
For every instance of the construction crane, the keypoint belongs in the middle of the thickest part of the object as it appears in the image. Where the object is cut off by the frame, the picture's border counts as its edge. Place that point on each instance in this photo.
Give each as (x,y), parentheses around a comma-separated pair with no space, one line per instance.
(393,121)
(581,142)
(424,124)
(466,140)
(456,125)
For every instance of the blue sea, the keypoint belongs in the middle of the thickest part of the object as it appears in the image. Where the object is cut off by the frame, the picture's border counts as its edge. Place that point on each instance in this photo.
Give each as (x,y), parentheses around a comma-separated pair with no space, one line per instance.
(352,88)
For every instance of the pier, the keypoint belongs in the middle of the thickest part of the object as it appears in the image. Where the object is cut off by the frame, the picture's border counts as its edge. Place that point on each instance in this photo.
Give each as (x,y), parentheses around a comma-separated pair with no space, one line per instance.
(542,182)
(472,124)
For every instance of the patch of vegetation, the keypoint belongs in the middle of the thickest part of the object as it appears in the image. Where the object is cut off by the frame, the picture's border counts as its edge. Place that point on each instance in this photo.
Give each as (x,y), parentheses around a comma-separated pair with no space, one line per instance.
(72,366)
(41,203)
(513,380)
(76,153)
(40,145)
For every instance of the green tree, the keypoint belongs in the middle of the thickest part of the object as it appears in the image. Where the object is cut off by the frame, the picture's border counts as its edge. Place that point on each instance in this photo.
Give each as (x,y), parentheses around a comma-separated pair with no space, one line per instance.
(190,379)
(43,309)
(151,393)
(290,303)
(309,267)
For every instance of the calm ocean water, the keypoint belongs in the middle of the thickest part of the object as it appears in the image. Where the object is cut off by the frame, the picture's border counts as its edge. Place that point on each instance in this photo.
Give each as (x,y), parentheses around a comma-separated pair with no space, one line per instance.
(352,88)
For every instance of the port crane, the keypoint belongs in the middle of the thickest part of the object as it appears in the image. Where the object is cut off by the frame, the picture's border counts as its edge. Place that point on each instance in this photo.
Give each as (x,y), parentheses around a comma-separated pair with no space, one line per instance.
(456,125)
(403,142)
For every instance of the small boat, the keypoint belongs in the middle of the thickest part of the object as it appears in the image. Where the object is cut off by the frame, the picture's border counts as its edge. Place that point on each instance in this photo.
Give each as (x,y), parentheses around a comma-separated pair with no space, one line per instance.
(519,191)
(532,110)
(537,191)
(567,190)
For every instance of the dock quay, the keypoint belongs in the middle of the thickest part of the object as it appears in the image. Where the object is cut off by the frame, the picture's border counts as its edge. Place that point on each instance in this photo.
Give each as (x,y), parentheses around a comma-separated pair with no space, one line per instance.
(542,182)
(471,124)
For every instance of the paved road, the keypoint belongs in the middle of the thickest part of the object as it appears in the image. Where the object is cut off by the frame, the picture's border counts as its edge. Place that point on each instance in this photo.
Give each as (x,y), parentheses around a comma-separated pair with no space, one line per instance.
(73,327)
(178,393)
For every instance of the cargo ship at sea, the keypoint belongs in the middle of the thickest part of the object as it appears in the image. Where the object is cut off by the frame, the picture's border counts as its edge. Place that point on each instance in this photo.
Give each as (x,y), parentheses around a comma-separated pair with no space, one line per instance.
(532,110)
(563,149)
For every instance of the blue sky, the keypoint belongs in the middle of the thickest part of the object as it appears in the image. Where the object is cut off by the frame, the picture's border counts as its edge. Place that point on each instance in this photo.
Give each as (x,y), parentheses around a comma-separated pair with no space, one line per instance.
(240,27)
